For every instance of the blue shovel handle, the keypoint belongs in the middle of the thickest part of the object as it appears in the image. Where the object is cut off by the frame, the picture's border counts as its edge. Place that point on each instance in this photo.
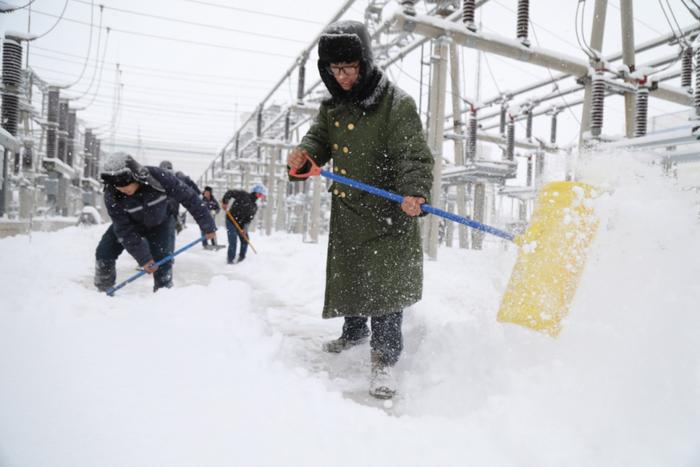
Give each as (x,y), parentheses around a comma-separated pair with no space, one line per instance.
(160,262)
(425,207)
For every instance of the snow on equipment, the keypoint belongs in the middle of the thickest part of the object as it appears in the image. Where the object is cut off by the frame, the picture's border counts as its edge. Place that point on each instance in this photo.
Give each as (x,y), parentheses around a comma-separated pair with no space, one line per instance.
(111,291)
(552,251)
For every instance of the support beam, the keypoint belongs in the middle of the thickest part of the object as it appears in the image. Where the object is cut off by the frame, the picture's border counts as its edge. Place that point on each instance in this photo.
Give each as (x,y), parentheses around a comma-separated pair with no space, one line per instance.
(627,18)
(491,43)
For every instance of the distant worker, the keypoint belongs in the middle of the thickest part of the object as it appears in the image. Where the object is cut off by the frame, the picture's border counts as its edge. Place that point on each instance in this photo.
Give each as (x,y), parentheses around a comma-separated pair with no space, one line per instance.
(137,200)
(213,206)
(243,208)
(180,219)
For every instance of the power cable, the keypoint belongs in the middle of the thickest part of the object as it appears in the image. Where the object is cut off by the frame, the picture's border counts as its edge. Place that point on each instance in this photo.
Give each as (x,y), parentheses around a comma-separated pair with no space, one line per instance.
(169,77)
(675,20)
(99,79)
(174,39)
(55,24)
(556,85)
(194,23)
(254,12)
(12,9)
(668,21)
(690,9)
(582,39)
(87,57)
(98,66)
(150,91)
(170,72)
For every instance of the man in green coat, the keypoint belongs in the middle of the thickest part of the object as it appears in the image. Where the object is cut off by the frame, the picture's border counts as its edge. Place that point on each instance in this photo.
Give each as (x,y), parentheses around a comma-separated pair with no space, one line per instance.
(371,131)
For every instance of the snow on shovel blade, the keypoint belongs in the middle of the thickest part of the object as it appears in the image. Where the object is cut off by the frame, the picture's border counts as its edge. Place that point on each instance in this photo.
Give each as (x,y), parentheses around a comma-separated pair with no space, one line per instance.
(551,258)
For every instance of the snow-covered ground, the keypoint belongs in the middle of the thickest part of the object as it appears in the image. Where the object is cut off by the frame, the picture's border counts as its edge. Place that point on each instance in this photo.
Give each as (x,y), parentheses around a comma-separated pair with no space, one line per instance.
(226,369)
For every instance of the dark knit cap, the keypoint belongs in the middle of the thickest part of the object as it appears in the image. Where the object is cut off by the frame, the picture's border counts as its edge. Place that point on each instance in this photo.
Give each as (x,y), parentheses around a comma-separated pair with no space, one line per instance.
(343,42)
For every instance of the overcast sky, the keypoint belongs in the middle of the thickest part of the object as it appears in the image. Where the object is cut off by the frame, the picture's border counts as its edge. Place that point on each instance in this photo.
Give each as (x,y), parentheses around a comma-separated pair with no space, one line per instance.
(188,83)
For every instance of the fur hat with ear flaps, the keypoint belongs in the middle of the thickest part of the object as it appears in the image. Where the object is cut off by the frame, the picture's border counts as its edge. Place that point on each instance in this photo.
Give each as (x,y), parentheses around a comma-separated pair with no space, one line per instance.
(345,42)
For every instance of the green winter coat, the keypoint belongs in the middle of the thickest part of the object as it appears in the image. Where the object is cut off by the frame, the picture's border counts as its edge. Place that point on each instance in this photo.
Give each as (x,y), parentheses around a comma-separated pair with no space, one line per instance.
(375,257)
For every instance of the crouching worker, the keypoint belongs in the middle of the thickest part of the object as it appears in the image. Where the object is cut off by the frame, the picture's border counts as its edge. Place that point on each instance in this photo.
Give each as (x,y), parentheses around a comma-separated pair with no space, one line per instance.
(136,198)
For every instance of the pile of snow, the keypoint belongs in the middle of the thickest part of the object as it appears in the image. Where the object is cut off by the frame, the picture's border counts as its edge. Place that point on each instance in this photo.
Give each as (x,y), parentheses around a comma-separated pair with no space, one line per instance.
(225,369)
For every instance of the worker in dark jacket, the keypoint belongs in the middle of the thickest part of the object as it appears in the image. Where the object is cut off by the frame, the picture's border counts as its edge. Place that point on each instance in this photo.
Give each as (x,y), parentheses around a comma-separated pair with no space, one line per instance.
(137,200)
(372,132)
(243,208)
(212,206)
(180,219)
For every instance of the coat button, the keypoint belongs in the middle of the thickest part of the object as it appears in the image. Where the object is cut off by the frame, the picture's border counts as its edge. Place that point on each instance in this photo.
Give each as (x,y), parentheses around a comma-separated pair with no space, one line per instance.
(335,192)
(335,169)
(343,171)
(342,194)
(337,124)
(335,147)
(346,149)
(351,126)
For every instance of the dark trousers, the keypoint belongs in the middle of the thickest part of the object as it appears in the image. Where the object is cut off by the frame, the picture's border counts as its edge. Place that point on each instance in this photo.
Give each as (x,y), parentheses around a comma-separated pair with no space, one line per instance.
(387,339)
(161,242)
(233,236)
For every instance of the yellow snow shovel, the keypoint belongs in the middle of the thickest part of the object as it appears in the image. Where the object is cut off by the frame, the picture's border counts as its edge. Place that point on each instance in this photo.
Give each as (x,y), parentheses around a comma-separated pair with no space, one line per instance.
(551,258)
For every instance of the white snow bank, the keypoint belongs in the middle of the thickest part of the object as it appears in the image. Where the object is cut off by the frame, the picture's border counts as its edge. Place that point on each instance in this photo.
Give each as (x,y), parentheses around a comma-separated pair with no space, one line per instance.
(225,368)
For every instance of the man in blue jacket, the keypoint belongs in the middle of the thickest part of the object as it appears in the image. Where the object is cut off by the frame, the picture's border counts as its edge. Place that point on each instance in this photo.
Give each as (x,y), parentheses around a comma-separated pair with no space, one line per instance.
(137,200)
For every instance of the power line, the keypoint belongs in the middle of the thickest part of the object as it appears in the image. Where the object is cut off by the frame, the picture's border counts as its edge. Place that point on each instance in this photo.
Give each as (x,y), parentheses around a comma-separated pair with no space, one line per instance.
(168,71)
(172,39)
(126,68)
(194,23)
(87,56)
(56,23)
(181,94)
(254,12)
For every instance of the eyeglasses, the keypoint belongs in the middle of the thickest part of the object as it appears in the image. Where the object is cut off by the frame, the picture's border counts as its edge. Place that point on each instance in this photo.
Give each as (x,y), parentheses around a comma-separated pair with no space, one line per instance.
(347,70)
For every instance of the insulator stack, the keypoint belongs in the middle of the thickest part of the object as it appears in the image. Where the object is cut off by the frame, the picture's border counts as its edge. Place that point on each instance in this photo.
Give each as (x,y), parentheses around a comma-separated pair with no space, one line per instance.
(288,126)
(597,103)
(11,63)
(530,180)
(553,132)
(28,156)
(409,7)
(523,21)
(72,119)
(697,81)
(642,110)
(502,124)
(237,146)
(96,159)
(87,148)
(528,125)
(62,129)
(10,112)
(301,84)
(11,80)
(510,140)
(471,135)
(259,126)
(468,14)
(687,68)
(53,110)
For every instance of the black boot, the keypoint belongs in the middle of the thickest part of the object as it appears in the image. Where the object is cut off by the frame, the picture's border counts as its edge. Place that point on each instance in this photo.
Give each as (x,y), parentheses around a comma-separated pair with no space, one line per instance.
(105,274)
(355,332)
